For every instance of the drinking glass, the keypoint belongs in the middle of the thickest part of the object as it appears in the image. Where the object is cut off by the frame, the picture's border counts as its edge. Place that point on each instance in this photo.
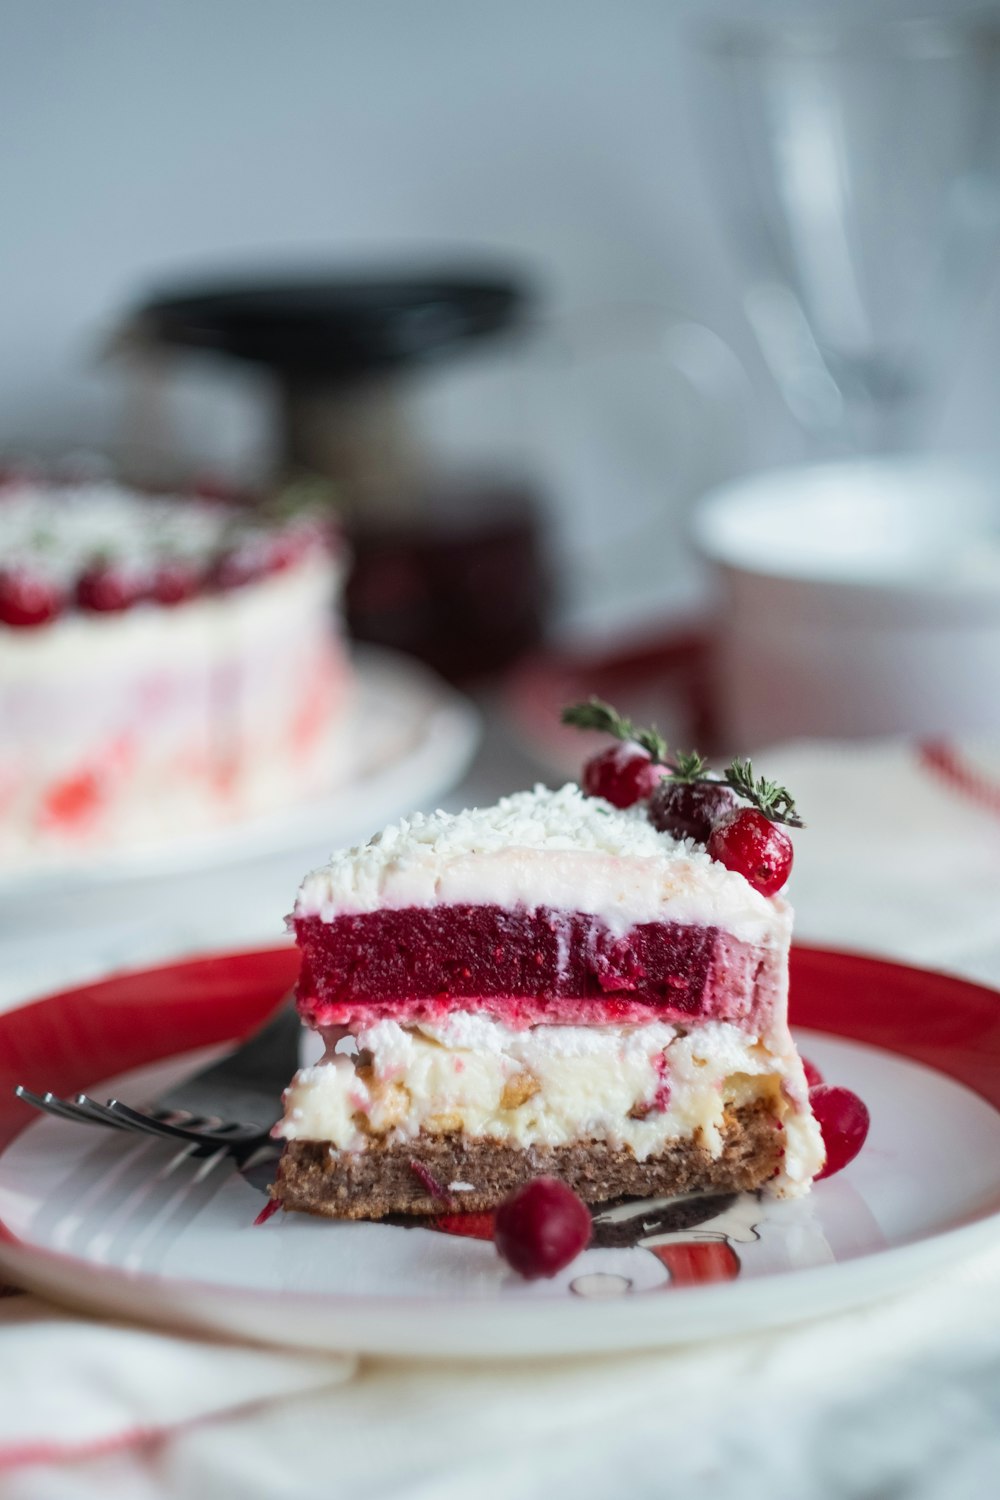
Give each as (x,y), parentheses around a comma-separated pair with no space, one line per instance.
(858,161)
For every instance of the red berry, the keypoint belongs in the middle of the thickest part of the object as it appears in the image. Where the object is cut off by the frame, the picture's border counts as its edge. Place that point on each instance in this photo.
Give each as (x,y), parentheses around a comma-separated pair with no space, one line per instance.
(239,566)
(623,774)
(813,1074)
(690,809)
(843,1121)
(104,588)
(175,582)
(754,847)
(287,549)
(541,1228)
(212,487)
(26,599)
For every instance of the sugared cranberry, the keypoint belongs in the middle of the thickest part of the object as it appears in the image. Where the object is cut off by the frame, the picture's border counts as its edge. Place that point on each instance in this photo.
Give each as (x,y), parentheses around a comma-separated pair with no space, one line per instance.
(104,588)
(690,809)
(541,1228)
(843,1121)
(623,774)
(213,487)
(175,582)
(239,566)
(287,549)
(754,847)
(813,1074)
(26,599)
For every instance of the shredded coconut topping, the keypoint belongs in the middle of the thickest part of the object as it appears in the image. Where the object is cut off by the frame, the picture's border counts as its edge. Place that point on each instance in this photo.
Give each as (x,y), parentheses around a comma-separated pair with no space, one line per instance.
(539,819)
(540,848)
(59,529)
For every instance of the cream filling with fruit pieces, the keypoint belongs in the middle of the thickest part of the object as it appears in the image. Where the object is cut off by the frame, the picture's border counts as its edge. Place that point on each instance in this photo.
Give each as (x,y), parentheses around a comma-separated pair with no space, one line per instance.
(635,1087)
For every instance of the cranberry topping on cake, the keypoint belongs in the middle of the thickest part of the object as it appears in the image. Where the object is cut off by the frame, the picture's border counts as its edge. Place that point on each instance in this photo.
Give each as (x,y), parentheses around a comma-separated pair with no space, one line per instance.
(108,588)
(686,800)
(99,548)
(749,843)
(28,598)
(690,809)
(622,775)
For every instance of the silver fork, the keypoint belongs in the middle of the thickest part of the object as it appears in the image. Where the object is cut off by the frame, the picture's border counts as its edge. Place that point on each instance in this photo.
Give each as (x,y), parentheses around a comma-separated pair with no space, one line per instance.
(245,1085)
(238,1138)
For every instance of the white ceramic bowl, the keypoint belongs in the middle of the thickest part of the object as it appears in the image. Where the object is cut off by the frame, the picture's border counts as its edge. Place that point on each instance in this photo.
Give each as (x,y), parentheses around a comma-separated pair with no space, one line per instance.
(861,598)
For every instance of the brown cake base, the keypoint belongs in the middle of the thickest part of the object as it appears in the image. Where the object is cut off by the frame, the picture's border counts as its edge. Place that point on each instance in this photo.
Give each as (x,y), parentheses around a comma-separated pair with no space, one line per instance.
(400,1178)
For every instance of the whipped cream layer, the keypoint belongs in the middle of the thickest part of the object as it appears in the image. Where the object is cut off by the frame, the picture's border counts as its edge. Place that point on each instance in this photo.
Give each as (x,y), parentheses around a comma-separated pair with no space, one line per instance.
(639,1087)
(556,849)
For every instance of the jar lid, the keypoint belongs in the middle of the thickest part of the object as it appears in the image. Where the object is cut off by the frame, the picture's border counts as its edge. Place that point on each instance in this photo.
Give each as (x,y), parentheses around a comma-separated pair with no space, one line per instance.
(337,329)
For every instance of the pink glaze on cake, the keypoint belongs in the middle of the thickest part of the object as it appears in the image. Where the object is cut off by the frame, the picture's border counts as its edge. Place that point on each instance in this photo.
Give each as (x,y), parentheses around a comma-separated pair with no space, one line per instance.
(527,967)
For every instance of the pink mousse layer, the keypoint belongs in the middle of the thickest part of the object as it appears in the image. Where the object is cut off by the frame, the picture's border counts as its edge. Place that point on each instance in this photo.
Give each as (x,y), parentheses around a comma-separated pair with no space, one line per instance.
(526,968)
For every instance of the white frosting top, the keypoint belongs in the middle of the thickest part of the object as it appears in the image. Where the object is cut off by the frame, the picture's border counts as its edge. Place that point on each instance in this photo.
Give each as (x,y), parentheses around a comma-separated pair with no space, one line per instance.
(60,529)
(559,849)
(57,531)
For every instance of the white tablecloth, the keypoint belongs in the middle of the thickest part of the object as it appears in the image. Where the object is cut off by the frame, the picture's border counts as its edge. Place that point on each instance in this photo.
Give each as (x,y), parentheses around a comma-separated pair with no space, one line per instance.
(898,1399)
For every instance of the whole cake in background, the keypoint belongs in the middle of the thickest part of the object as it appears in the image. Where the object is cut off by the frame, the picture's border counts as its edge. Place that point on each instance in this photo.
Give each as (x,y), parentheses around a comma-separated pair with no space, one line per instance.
(167,664)
(589,983)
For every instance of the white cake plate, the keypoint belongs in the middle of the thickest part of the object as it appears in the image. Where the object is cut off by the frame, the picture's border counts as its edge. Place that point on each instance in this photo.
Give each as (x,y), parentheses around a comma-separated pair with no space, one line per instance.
(122,1226)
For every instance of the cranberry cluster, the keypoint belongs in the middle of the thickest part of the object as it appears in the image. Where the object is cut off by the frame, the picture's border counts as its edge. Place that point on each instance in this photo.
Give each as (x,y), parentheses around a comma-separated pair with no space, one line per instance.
(741,838)
(28,598)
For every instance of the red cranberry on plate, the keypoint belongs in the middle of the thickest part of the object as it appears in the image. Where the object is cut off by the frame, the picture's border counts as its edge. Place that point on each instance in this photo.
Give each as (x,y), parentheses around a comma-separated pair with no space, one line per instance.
(843,1120)
(813,1074)
(541,1228)
(623,774)
(690,809)
(753,846)
(26,599)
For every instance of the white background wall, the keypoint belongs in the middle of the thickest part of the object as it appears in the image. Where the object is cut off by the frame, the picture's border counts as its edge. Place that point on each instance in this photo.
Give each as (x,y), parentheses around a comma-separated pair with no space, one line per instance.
(144,140)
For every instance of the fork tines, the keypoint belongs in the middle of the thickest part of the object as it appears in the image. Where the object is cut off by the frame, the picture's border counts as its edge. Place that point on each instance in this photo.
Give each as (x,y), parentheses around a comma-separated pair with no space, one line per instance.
(176,1125)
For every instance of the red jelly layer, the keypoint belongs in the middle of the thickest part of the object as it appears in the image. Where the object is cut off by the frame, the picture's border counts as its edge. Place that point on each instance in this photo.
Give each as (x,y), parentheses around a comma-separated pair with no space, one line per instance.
(525,967)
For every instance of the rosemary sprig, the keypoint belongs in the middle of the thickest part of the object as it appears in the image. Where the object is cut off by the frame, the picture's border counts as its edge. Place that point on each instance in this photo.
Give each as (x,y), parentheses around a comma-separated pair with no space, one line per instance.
(688,765)
(770,798)
(595,714)
(773,800)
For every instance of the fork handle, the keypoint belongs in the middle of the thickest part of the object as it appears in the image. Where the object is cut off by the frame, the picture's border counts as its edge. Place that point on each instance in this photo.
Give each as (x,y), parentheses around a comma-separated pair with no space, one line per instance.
(247,1083)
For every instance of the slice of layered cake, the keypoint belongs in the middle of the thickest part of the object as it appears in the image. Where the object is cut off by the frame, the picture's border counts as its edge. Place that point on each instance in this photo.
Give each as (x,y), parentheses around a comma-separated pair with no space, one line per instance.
(552,985)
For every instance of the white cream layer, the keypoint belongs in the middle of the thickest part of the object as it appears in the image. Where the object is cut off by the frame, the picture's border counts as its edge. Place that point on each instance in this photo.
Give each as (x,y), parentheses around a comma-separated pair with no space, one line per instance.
(206,629)
(557,849)
(553,1085)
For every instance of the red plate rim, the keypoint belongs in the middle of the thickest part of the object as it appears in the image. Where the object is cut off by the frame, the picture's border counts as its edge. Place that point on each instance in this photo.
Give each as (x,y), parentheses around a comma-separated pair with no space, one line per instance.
(67,1041)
